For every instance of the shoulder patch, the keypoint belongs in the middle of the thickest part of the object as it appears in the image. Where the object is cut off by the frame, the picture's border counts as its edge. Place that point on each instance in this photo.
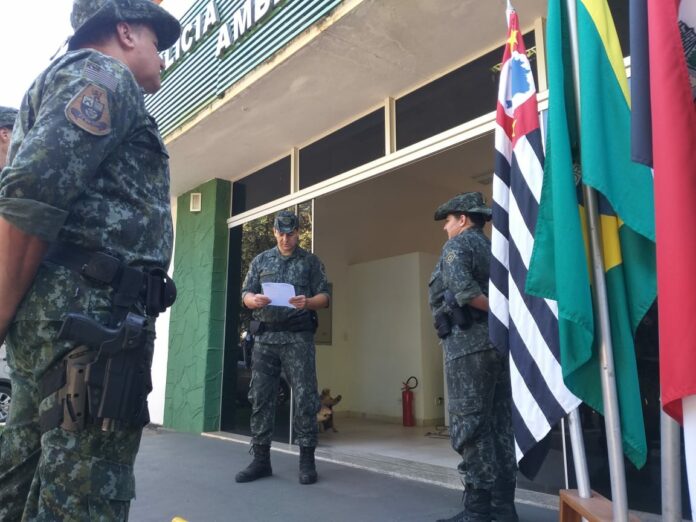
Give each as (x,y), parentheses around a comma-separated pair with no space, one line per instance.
(451,256)
(89,110)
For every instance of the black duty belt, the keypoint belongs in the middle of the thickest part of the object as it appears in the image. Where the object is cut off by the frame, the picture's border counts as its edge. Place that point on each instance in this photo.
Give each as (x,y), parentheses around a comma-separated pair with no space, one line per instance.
(304,321)
(274,327)
(150,286)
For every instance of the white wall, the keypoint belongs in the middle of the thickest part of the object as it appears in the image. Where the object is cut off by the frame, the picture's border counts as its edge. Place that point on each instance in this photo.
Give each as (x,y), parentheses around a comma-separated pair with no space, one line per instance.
(388,307)
(432,385)
(159,360)
(382,335)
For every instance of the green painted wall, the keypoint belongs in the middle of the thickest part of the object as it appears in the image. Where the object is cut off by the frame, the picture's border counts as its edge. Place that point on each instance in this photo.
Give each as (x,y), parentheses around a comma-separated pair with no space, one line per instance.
(196,329)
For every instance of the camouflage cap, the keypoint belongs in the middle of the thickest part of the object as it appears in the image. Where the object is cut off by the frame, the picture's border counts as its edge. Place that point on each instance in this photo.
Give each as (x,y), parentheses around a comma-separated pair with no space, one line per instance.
(7,117)
(87,15)
(286,221)
(466,202)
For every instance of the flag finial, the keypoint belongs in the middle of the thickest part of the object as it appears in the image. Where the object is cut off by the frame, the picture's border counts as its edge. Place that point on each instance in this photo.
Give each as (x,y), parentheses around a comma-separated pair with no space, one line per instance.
(508,11)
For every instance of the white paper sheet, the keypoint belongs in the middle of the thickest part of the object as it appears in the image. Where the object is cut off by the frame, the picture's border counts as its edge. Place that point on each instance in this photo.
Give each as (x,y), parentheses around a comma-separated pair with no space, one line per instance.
(280,293)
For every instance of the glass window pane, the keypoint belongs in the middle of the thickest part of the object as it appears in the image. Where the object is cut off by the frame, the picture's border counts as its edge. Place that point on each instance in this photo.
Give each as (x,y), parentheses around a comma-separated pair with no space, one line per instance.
(459,96)
(263,186)
(355,144)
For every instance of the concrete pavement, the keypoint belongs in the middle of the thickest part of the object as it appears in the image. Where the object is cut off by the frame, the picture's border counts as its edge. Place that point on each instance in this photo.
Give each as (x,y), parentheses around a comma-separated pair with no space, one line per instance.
(192,477)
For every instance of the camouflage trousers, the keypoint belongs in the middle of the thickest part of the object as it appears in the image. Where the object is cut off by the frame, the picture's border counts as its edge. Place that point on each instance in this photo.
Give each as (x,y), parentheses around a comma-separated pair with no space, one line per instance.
(297,360)
(60,475)
(478,385)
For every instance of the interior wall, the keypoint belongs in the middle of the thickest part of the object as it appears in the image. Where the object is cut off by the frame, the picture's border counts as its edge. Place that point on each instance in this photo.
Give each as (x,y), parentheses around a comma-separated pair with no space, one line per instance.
(432,386)
(388,305)
(379,243)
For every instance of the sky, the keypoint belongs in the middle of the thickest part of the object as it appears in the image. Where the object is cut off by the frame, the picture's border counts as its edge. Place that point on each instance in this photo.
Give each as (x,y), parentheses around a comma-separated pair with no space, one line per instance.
(32,31)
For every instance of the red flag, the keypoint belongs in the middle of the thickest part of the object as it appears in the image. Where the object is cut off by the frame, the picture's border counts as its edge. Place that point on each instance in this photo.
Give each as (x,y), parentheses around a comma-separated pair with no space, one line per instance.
(674,153)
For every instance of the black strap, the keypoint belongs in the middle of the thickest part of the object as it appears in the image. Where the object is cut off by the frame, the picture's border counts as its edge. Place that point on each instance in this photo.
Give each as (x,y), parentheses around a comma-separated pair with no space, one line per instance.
(273,327)
(152,287)
(283,327)
(101,267)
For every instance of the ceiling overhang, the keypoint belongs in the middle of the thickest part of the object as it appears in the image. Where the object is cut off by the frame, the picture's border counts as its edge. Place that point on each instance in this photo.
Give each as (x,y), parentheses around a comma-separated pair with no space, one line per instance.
(341,68)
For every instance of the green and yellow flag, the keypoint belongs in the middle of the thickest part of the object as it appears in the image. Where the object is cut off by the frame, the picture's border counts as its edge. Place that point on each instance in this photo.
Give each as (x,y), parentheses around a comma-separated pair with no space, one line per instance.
(560,268)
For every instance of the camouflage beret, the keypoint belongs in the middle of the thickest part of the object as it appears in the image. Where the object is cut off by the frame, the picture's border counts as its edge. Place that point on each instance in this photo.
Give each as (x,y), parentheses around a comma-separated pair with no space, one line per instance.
(286,221)
(466,203)
(88,15)
(7,117)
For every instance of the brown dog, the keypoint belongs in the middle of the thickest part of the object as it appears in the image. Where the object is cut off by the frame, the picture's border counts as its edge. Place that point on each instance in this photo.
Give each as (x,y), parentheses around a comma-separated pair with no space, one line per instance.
(327,402)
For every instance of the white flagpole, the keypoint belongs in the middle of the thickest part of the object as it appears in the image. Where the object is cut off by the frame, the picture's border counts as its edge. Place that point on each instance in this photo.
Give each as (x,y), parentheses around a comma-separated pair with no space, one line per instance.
(611,403)
(565,453)
(582,476)
(508,12)
(671,468)
(689,407)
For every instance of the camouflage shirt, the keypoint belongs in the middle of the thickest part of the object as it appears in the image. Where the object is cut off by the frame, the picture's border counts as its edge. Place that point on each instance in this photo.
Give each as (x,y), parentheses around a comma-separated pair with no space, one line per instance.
(87,166)
(301,269)
(463,268)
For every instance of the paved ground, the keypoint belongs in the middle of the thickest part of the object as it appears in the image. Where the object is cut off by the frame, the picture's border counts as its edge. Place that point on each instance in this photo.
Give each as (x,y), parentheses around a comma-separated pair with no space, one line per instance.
(193,477)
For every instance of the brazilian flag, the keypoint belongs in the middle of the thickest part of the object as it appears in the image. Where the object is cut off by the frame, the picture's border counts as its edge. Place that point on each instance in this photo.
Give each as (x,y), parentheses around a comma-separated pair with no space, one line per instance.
(595,152)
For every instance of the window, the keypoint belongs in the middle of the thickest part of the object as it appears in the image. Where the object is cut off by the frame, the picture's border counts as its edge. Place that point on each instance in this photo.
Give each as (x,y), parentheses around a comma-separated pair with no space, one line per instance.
(264,185)
(355,144)
(459,96)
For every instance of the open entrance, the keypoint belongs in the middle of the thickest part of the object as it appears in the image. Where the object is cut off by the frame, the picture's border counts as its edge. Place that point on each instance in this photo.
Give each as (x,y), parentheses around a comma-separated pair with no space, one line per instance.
(379,243)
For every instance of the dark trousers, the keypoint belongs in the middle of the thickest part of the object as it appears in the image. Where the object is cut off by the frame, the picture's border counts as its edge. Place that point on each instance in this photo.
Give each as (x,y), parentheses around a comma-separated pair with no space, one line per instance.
(297,360)
(480,399)
(60,475)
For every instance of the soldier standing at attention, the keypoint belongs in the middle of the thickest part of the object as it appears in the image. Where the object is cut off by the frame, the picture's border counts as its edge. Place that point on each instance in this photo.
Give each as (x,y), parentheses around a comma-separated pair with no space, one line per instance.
(284,341)
(85,241)
(7,119)
(478,378)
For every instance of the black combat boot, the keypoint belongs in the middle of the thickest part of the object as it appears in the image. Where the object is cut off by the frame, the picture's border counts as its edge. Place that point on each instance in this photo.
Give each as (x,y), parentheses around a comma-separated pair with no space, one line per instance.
(260,467)
(308,471)
(503,502)
(477,507)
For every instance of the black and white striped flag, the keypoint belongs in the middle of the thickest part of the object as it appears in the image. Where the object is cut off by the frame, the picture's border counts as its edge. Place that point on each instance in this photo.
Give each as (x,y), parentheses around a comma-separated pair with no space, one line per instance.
(522,325)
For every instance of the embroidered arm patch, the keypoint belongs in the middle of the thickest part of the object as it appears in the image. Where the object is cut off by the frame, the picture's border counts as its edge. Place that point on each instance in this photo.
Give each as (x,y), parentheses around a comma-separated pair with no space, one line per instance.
(89,110)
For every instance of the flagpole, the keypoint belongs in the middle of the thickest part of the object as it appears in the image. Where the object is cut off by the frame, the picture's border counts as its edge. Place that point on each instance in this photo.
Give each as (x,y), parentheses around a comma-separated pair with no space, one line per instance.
(577,443)
(611,404)
(565,453)
(671,469)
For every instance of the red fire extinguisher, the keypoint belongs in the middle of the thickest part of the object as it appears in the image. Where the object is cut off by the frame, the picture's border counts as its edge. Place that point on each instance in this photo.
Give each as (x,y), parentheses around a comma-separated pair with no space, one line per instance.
(407,400)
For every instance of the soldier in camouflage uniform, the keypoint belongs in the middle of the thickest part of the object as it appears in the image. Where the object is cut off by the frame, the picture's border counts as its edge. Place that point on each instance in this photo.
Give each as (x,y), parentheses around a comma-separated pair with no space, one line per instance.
(87,174)
(284,342)
(478,381)
(7,119)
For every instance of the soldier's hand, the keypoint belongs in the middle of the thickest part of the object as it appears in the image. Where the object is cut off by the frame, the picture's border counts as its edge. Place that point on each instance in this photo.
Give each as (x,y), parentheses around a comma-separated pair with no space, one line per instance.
(299,302)
(258,301)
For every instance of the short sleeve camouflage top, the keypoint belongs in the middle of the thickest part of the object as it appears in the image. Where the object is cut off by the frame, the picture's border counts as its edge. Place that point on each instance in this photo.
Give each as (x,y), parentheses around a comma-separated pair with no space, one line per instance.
(86,166)
(463,268)
(302,269)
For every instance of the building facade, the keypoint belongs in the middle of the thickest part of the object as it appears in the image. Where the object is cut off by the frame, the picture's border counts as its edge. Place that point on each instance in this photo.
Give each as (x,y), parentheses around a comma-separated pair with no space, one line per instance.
(363,116)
